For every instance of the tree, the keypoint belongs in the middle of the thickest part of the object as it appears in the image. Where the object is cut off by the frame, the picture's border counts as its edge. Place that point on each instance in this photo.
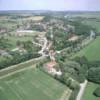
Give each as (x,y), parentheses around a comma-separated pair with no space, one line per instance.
(4,43)
(94,75)
(82,60)
(97,92)
(19,43)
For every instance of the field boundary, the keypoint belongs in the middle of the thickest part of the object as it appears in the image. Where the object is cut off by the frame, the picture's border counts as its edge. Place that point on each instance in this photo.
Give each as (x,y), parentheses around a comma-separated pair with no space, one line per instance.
(20,66)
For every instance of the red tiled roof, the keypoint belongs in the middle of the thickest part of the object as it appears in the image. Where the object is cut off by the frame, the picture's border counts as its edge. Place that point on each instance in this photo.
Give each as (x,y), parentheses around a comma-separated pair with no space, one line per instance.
(51,64)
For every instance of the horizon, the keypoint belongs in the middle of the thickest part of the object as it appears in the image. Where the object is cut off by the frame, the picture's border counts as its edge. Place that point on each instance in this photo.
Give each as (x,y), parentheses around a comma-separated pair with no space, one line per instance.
(52,5)
(54,10)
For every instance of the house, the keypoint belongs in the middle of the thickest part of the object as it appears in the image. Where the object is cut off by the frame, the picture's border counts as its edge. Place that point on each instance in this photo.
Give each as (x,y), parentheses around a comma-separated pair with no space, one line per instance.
(49,67)
(40,37)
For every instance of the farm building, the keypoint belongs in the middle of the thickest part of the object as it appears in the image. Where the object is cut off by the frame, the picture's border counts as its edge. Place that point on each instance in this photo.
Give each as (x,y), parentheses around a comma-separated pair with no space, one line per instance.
(49,67)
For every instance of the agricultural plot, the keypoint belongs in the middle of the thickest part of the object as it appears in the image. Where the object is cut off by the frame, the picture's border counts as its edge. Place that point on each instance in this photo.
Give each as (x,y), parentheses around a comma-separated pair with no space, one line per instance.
(34,18)
(92,51)
(88,94)
(32,84)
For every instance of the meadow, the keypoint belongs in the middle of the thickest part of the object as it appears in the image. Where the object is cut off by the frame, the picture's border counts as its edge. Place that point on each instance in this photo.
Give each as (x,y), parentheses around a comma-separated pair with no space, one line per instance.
(13,39)
(32,84)
(92,51)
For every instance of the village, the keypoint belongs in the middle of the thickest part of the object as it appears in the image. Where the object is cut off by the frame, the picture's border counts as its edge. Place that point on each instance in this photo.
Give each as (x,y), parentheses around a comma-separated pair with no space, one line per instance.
(50,37)
(40,39)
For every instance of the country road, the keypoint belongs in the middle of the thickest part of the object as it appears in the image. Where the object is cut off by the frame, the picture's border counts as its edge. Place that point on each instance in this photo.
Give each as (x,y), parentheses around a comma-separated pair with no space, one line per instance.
(82,88)
(43,47)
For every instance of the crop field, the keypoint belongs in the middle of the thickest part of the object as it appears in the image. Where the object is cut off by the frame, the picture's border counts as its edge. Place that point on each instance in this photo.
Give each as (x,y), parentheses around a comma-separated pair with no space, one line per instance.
(32,84)
(88,94)
(92,51)
(35,18)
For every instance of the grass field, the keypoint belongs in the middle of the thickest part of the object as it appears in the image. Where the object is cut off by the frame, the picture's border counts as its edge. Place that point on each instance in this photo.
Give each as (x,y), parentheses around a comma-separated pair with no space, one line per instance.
(92,51)
(13,40)
(28,37)
(88,94)
(32,84)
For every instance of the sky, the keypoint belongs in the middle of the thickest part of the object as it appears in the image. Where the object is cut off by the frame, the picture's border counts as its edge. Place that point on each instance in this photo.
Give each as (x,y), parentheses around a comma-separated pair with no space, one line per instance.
(58,5)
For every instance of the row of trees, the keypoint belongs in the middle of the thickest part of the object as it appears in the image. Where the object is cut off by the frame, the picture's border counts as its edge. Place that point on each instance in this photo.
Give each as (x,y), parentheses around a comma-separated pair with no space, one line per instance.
(16,58)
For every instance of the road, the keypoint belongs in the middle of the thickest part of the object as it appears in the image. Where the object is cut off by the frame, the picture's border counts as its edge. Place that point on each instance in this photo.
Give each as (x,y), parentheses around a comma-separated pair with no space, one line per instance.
(43,47)
(82,88)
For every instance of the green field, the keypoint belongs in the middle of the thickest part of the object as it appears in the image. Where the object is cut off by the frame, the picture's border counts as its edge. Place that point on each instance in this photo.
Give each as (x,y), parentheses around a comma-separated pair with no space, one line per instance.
(32,84)
(13,40)
(88,94)
(92,51)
